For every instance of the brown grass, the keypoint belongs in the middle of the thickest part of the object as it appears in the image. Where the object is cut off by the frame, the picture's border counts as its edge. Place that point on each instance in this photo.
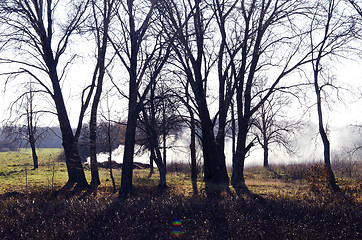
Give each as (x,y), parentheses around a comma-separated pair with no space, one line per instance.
(281,206)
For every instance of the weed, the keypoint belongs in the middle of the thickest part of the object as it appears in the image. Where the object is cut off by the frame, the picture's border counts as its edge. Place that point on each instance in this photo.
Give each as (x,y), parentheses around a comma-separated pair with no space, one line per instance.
(286,208)
(317,178)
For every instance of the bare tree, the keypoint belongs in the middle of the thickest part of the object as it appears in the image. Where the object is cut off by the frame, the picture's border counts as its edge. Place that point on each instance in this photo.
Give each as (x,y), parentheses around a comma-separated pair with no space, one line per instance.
(273,44)
(195,55)
(241,41)
(10,139)
(31,126)
(26,120)
(38,39)
(271,125)
(159,118)
(332,31)
(114,135)
(30,131)
(102,14)
(356,6)
(141,53)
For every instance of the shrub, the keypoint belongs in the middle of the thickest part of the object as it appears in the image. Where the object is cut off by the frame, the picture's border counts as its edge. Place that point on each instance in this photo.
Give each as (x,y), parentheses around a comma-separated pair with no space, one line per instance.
(61,157)
(179,167)
(317,178)
(346,168)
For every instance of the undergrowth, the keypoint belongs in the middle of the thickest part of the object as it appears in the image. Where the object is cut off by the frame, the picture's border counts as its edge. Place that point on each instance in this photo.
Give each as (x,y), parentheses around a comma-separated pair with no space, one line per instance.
(150,213)
(284,202)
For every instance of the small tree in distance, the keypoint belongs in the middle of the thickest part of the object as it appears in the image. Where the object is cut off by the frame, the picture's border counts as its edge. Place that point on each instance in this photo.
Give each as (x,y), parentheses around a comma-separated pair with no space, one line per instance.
(26,120)
(271,126)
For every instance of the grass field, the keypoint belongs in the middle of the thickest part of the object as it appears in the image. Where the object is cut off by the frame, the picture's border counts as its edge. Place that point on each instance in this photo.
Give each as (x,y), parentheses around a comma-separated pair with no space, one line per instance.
(281,206)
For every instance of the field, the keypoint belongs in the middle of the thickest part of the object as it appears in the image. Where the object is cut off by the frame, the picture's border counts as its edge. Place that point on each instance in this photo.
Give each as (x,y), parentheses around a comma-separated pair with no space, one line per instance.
(284,202)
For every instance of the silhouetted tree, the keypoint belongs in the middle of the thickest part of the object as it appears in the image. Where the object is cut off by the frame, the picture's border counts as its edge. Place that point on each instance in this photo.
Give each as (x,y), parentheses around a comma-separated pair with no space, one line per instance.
(272,127)
(272,42)
(10,139)
(102,12)
(40,37)
(142,53)
(332,32)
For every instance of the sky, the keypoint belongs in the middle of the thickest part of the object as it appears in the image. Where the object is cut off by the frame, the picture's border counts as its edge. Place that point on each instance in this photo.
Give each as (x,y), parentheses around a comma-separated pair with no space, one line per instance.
(339,117)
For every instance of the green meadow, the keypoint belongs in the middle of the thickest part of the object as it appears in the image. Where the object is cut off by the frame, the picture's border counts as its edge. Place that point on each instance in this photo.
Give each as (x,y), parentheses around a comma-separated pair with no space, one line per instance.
(17,175)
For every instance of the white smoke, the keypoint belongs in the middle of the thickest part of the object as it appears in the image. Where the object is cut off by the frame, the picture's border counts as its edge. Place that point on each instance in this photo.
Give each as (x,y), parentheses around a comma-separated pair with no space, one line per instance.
(308,149)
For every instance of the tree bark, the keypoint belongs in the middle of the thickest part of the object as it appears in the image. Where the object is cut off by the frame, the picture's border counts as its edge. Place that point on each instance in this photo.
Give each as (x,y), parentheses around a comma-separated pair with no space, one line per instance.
(31,129)
(237,179)
(95,181)
(326,144)
(316,71)
(135,39)
(109,140)
(127,168)
(266,156)
(215,171)
(193,153)
(74,166)
(152,157)
(100,68)
(33,153)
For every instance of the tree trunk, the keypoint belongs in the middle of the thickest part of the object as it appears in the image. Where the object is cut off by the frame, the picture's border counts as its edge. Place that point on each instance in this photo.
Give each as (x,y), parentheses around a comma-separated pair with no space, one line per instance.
(158,159)
(74,166)
(31,127)
(316,70)
(95,181)
(162,169)
(164,147)
(111,171)
(130,138)
(110,152)
(237,179)
(127,168)
(266,156)
(100,68)
(33,152)
(193,154)
(214,160)
(164,133)
(152,157)
(153,143)
(233,130)
(32,137)
(326,144)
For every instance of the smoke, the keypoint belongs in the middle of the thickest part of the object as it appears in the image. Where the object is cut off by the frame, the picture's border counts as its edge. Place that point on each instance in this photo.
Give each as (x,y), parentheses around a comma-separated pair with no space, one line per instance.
(307,143)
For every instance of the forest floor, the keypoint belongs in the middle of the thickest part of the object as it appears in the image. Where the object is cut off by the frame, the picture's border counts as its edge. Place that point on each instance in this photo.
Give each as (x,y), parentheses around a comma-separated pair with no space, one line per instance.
(284,202)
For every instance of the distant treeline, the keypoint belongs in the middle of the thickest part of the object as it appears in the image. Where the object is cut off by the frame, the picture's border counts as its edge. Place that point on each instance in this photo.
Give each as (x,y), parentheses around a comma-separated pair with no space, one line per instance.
(12,138)
(109,137)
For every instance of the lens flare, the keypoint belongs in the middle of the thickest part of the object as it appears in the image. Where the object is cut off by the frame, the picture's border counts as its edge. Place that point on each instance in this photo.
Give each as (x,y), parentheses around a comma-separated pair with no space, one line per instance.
(177,230)
(176,222)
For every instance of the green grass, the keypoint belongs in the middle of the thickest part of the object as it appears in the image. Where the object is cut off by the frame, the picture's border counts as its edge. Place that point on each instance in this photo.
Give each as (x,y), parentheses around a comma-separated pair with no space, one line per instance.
(16,175)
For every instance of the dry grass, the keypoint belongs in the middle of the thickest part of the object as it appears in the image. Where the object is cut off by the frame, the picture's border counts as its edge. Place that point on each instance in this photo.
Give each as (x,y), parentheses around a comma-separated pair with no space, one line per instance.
(281,206)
